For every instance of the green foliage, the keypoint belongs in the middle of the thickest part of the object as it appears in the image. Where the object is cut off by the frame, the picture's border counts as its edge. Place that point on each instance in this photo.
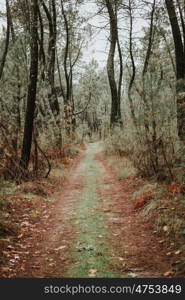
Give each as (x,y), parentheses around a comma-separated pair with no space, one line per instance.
(71,151)
(126,173)
(151,156)
(3,203)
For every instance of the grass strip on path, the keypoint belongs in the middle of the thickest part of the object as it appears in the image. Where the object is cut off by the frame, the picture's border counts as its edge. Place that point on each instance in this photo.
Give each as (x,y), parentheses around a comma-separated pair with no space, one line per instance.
(92,253)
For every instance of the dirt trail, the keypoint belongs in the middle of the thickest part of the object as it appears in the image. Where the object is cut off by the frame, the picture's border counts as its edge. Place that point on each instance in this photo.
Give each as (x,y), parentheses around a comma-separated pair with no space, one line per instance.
(94,231)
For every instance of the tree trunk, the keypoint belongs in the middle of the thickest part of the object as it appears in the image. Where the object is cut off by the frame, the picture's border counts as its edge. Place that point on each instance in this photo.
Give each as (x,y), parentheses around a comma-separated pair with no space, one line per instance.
(180,66)
(3,59)
(133,75)
(32,88)
(66,56)
(115,112)
(53,100)
(120,78)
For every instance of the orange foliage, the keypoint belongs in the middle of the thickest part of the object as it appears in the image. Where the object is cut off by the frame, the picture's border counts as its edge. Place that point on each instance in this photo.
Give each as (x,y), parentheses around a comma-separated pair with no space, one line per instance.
(66,161)
(142,200)
(177,188)
(174,188)
(182,189)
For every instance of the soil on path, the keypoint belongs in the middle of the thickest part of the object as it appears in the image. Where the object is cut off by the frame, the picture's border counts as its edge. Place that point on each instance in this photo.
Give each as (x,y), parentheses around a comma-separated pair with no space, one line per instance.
(93,230)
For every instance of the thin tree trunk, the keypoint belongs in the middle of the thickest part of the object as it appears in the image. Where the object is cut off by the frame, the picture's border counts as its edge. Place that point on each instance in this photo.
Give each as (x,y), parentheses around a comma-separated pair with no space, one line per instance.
(120,78)
(66,54)
(3,59)
(53,100)
(150,43)
(133,67)
(32,88)
(110,63)
(146,64)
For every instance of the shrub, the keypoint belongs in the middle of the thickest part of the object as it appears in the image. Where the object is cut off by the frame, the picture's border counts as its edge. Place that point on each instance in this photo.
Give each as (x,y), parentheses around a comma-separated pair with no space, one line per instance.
(151,156)
(126,173)
(148,194)
(71,151)
(3,203)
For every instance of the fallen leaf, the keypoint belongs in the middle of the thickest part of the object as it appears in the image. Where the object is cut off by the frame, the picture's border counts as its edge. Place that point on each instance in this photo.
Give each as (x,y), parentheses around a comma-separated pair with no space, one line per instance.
(22,246)
(106,210)
(12,261)
(5,269)
(168,273)
(161,241)
(51,265)
(92,272)
(121,258)
(133,275)
(25,223)
(165,228)
(177,252)
(174,188)
(16,256)
(60,248)
(20,236)
(10,247)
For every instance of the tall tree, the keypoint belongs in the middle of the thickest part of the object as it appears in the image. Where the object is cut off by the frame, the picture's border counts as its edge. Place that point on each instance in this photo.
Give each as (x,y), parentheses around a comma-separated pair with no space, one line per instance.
(51,58)
(115,91)
(133,66)
(179,41)
(32,88)
(3,59)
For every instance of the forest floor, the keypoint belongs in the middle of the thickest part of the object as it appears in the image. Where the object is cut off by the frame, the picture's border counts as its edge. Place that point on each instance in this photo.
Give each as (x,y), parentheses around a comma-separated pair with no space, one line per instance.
(90,229)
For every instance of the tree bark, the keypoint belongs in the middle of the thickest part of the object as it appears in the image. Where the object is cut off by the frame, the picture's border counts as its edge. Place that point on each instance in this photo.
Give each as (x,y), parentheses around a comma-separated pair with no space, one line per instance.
(120,78)
(66,56)
(179,48)
(53,100)
(32,88)
(133,75)
(115,111)
(150,43)
(3,60)
(180,66)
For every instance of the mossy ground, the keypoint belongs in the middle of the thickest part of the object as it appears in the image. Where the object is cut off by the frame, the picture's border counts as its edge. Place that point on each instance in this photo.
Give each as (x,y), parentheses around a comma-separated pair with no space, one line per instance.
(91,251)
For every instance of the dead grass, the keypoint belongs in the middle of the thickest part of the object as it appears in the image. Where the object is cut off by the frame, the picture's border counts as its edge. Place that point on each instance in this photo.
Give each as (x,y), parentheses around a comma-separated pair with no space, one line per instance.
(122,166)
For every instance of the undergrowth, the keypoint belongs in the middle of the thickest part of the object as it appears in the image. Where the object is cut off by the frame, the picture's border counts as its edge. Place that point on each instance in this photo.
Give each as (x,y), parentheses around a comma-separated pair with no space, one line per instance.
(28,200)
(159,202)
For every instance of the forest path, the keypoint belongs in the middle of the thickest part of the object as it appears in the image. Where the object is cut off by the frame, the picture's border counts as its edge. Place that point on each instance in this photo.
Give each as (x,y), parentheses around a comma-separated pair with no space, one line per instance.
(94,231)
(92,252)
